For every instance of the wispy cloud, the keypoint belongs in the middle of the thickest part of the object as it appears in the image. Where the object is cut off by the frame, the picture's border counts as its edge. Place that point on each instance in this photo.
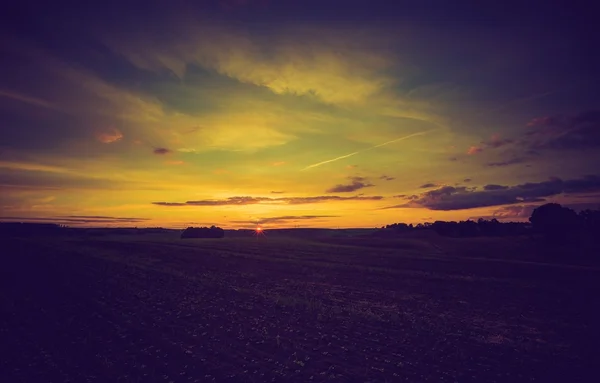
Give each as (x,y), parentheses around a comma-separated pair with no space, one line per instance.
(247,200)
(27,99)
(109,135)
(285,219)
(474,150)
(76,219)
(35,167)
(511,161)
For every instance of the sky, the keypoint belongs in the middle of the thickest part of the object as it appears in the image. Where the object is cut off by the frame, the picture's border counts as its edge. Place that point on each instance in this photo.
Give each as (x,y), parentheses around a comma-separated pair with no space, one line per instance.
(296,113)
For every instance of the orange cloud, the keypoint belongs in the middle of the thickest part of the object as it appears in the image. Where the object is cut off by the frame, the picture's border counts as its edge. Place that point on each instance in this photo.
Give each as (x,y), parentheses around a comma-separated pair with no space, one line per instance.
(474,150)
(279,163)
(109,136)
(174,162)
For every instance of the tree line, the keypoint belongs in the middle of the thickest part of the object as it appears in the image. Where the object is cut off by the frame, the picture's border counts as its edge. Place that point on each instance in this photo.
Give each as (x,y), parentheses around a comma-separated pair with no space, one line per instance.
(551,220)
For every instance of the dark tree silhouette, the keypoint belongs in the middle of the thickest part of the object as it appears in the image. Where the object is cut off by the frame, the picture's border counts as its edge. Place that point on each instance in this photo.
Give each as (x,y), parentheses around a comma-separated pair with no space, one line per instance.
(554,221)
(469,228)
(203,232)
(590,220)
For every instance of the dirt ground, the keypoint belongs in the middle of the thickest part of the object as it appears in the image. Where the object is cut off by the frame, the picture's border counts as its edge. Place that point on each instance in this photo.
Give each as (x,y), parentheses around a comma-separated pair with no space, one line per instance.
(145,309)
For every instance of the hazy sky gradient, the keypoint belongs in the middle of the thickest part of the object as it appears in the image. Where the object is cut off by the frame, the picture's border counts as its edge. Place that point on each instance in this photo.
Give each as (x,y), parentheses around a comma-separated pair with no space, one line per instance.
(296,112)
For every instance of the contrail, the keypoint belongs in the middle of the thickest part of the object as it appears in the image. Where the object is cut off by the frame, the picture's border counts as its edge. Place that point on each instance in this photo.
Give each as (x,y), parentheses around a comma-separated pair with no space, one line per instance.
(364,150)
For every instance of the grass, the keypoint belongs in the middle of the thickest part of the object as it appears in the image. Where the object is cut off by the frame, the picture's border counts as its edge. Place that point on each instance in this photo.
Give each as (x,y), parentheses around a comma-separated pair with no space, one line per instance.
(158,308)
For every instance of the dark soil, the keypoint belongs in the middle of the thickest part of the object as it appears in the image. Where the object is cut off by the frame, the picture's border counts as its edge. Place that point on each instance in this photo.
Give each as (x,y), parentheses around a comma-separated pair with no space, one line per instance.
(139,310)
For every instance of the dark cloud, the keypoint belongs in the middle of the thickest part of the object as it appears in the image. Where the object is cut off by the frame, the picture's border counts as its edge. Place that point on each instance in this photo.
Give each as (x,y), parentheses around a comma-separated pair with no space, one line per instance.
(494,187)
(467,180)
(495,142)
(356,184)
(387,178)
(305,200)
(427,186)
(565,132)
(457,198)
(161,151)
(76,219)
(277,192)
(512,161)
(268,200)
(230,201)
(103,217)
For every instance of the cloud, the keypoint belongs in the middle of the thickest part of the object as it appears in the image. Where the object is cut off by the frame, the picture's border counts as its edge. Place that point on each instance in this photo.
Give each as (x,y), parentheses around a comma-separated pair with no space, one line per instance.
(162,151)
(427,186)
(27,99)
(285,219)
(174,162)
(109,136)
(239,201)
(458,198)
(332,66)
(170,203)
(76,219)
(474,150)
(467,180)
(277,191)
(278,163)
(495,142)
(305,200)
(356,184)
(229,201)
(578,131)
(494,187)
(34,167)
(387,178)
(30,176)
(512,161)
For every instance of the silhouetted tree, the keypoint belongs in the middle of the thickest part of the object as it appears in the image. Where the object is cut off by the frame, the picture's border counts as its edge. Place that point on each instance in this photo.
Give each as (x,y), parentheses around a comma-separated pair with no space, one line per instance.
(554,221)
(203,232)
(590,220)
(469,228)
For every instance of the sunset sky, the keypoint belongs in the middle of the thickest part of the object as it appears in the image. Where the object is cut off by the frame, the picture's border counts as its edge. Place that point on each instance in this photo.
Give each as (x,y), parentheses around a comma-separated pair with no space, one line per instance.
(296,113)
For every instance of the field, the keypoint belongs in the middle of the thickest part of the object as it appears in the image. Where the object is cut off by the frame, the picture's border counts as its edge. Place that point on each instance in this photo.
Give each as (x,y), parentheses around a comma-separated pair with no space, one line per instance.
(157,308)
